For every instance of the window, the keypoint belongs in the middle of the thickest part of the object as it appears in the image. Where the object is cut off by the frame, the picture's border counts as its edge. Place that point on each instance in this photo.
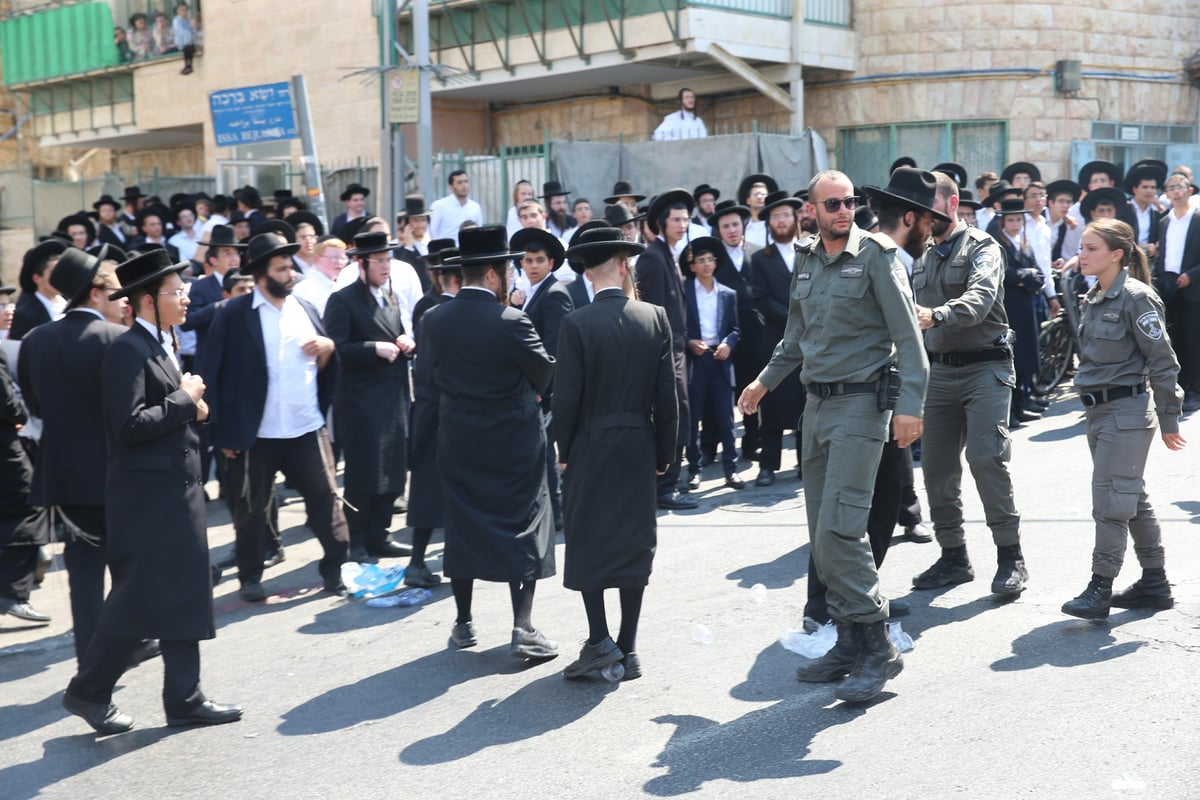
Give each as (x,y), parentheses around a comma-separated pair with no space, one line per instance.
(866,153)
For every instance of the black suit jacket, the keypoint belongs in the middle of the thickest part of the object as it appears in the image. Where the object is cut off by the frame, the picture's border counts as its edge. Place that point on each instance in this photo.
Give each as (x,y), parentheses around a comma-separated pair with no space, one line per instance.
(771,288)
(1128,215)
(105,235)
(204,296)
(59,373)
(727,321)
(746,358)
(578,291)
(413,257)
(549,305)
(660,283)
(1190,265)
(140,243)
(234,366)
(28,314)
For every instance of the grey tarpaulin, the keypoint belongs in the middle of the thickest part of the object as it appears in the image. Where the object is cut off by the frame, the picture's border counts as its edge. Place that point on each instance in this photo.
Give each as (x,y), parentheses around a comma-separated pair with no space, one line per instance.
(720,161)
(792,160)
(588,169)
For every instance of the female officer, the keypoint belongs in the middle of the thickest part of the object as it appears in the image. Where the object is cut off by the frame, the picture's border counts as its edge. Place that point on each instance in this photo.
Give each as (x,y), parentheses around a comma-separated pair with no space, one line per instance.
(1122,343)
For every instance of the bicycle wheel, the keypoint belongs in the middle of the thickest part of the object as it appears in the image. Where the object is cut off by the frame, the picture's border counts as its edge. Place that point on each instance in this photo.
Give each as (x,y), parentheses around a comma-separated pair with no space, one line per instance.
(1054,355)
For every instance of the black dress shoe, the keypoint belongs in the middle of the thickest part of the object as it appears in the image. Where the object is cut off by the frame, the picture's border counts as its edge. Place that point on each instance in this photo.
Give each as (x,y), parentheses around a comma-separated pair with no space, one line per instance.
(766,477)
(252,593)
(361,556)
(144,652)
(105,718)
(207,713)
(335,587)
(735,482)
(693,481)
(391,549)
(675,500)
(1026,416)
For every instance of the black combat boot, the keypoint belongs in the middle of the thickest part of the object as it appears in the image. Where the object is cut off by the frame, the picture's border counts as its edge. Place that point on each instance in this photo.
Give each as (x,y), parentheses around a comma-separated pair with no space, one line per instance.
(878,662)
(1149,591)
(835,664)
(1011,574)
(1094,602)
(952,567)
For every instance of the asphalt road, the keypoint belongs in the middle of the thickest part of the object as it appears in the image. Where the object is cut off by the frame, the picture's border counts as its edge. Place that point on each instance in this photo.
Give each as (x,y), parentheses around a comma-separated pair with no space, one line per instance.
(997,700)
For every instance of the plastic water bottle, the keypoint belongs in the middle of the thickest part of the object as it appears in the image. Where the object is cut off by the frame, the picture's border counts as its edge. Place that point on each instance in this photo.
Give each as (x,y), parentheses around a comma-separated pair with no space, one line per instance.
(613,672)
(758,593)
(701,634)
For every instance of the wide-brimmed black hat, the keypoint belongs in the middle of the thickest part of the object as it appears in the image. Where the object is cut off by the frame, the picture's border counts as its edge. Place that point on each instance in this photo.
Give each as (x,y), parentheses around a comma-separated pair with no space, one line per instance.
(107,200)
(35,257)
(437,252)
(414,206)
(617,215)
(966,199)
(553,189)
(485,245)
(132,193)
(178,199)
(248,195)
(1092,167)
(1146,169)
(624,189)
(8,290)
(265,246)
(779,199)
(902,161)
(912,187)
(277,226)
(75,271)
(997,192)
(221,236)
(545,240)
(590,225)
(162,212)
(198,196)
(185,204)
(666,199)
(233,278)
(743,193)
(1109,195)
(281,195)
(957,172)
(704,188)
(366,244)
(144,269)
(79,218)
(1011,206)
(298,218)
(351,228)
(701,244)
(1063,186)
(599,245)
(108,252)
(353,189)
(726,207)
(1021,168)
(865,218)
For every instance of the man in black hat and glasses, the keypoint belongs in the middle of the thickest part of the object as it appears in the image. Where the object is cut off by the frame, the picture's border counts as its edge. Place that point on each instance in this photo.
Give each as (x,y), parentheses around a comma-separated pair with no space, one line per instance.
(155,512)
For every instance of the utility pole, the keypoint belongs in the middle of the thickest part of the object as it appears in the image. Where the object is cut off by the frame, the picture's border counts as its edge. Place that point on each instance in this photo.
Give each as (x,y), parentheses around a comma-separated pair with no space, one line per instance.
(312,166)
(420,18)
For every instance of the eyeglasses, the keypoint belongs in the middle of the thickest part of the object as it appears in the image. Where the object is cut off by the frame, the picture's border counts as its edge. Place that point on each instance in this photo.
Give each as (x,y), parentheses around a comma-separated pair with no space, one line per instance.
(1177,187)
(705,260)
(305,237)
(180,292)
(1035,197)
(833,204)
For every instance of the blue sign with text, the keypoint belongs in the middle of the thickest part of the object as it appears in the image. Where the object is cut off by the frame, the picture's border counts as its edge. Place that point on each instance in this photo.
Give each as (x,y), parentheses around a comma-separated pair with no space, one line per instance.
(253,114)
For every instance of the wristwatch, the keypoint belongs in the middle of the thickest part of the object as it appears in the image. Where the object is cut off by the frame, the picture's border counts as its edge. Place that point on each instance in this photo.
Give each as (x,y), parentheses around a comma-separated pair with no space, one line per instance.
(939,317)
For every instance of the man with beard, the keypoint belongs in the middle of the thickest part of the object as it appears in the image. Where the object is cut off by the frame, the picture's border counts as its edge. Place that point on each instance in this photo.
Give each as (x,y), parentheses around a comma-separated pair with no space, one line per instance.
(771,271)
(960,306)
(706,203)
(851,317)
(558,221)
(682,124)
(109,230)
(270,368)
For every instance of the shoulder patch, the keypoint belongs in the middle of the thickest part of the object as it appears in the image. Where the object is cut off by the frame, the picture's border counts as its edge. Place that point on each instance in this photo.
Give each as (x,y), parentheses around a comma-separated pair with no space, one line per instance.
(852,271)
(1150,325)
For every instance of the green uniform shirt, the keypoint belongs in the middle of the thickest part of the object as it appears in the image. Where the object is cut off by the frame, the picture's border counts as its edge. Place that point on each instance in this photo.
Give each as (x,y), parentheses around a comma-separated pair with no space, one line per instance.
(963,277)
(847,316)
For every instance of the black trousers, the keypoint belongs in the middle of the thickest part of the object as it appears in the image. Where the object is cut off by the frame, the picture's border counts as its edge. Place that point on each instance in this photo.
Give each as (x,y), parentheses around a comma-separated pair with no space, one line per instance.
(910,504)
(307,462)
(85,565)
(17,565)
(1183,326)
(881,523)
(669,481)
(709,391)
(108,658)
(370,524)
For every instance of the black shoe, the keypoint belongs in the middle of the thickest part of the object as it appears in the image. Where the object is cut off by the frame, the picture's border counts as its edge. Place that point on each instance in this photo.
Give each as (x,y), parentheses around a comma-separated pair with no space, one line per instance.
(593,657)
(1149,591)
(1013,422)
(274,559)
(1038,406)
(878,662)
(945,571)
(145,651)
(633,667)
(735,482)
(675,500)
(898,608)
(533,645)
(1011,577)
(361,556)
(463,634)
(1023,415)
(105,718)
(766,477)
(420,576)
(207,713)
(693,481)
(335,587)
(836,663)
(252,593)
(390,549)
(1095,601)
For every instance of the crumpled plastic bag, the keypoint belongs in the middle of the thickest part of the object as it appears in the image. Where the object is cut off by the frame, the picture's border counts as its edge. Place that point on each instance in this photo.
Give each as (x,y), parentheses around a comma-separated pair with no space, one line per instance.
(370,580)
(820,642)
(409,597)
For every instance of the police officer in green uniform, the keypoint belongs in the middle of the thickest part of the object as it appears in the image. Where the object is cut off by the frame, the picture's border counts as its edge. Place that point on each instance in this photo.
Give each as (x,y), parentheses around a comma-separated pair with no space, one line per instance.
(850,317)
(1122,343)
(959,285)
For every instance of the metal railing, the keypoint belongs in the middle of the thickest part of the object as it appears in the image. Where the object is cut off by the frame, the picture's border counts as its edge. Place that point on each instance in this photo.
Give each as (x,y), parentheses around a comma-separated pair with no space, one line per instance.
(780,9)
(829,12)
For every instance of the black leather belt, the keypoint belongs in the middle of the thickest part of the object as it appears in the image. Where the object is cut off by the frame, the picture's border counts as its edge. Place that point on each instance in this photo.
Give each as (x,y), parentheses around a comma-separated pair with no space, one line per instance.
(1091,399)
(962,359)
(827,390)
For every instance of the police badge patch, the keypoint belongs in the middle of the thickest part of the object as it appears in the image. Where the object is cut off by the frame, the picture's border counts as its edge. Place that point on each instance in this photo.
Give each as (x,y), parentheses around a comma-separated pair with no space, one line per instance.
(1150,325)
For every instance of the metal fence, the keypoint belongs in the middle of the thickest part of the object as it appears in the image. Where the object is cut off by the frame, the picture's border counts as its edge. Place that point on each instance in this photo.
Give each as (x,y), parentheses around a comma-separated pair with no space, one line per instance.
(492,176)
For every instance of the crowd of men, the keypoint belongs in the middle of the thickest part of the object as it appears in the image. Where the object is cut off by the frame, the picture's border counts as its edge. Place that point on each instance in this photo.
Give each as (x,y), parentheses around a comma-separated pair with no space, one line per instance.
(480,377)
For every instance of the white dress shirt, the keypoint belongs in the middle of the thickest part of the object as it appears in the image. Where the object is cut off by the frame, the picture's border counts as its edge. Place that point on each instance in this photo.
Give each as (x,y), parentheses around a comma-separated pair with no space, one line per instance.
(680,125)
(316,288)
(159,336)
(55,308)
(756,232)
(186,245)
(788,251)
(1177,230)
(406,288)
(446,216)
(532,291)
(706,305)
(513,223)
(737,255)
(292,408)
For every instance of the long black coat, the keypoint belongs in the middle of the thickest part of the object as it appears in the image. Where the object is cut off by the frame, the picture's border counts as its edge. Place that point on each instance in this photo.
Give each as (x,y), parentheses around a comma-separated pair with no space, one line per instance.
(489,365)
(546,311)
(157,542)
(1021,285)
(747,357)
(18,522)
(426,497)
(659,282)
(615,421)
(771,288)
(28,314)
(370,404)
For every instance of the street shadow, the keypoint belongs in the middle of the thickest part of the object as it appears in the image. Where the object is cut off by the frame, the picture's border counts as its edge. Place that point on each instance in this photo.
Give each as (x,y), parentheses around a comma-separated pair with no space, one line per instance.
(926,617)
(357,615)
(23,660)
(68,756)
(537,708)
(1070,643)
(24,718)
(780,573)
(1060,434)
(396,690)
(1189,507)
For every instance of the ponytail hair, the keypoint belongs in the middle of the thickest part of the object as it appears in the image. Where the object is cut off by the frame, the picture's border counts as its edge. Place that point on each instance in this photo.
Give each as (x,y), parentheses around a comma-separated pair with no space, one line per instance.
(1118,235)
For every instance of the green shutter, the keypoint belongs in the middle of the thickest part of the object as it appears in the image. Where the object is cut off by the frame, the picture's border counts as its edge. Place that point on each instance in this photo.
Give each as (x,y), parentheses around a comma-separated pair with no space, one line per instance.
(57,42)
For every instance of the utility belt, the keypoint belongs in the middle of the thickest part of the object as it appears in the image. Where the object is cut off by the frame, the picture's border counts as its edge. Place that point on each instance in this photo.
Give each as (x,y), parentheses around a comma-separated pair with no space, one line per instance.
(1092,399)
(886,389)
(968,357)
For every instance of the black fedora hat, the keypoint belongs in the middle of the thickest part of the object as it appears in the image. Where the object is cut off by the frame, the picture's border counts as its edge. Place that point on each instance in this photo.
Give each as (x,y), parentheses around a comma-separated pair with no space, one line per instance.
(132,193)
(75,271)
(185,204)
(178,199)
(624,189)
(353,189)
(1109,195)
(265,246)
(966,199)
(8,290)
(198,196)
(107,200)
(912,187)
(726,207)
(1092,167)
(221,236)
(1146,169)
(233,278)
(162,212)
(1062,186)
(599,245)
(298,218)
(701,244)
(865,218)
(1010,207)
(590,225)
(108,252)
(545,241)
(902,161)
(282,194)
(414,206)
(144,269)
(998,191)
(79,218)
(366,244)
(437,251)
(35,257)
(553,189)
(617,215)
(248,195)
(704,189)
(665,200)
(779,199)
(351,228)
(277,226)
(743,193)
(1021,168)
(957,172)
(485,245)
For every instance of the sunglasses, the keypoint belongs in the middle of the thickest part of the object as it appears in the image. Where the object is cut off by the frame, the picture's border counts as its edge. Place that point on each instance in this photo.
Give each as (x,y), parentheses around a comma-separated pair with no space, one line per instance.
(833,204)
